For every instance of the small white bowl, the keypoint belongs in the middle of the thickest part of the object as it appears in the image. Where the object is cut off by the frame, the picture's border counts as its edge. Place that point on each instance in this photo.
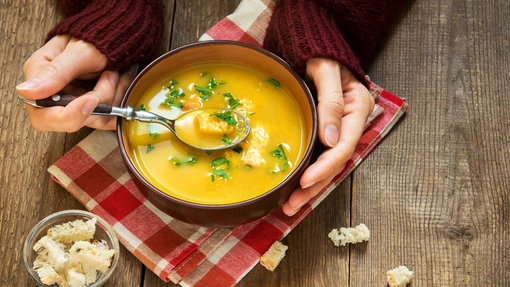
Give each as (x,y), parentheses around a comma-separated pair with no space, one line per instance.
(103,232)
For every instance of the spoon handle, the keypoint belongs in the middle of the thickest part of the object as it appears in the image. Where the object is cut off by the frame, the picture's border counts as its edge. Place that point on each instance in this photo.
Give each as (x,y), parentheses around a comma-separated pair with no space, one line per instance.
(62,100)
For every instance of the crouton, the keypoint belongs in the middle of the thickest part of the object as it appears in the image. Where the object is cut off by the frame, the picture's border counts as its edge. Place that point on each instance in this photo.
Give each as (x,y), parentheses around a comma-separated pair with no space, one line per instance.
(344,235)
(273,256)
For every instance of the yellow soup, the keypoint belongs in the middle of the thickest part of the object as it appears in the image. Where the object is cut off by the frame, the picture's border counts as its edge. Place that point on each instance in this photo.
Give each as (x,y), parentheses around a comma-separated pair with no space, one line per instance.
(273,149)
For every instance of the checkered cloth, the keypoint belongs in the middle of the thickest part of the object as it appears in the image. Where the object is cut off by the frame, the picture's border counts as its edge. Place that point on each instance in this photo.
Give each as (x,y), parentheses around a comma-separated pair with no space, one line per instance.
(93,172)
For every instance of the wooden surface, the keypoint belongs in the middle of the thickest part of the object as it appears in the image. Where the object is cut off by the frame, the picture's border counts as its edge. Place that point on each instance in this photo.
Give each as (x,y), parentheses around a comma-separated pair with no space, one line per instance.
(435,193)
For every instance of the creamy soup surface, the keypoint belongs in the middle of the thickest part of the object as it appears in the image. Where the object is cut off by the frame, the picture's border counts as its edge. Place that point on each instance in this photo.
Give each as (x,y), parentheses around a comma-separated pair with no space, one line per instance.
(262,161)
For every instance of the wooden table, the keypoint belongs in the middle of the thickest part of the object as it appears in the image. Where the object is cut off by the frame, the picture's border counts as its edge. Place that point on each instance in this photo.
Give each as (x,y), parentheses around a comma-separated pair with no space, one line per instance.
(435,193)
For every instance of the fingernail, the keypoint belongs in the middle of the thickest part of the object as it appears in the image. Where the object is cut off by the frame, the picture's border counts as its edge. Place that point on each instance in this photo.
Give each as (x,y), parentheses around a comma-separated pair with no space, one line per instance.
(89,106)
(114,78)
(28,85)
(331,135)
(296,209)
(308,185)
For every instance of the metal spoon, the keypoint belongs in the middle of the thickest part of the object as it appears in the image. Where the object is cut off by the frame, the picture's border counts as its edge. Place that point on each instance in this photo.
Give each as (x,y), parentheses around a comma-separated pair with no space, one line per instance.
(129,113)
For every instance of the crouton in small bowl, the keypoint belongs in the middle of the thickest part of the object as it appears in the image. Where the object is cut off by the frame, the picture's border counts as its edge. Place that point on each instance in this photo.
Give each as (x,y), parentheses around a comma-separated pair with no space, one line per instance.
(72,248)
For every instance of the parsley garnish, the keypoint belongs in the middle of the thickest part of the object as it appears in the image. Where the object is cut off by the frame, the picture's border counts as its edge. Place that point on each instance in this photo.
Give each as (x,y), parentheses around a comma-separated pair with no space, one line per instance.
(153,135)
(172,95)
(238,149)
(221,172)
(213,84)
(172,84)
(177,162)
(232,102)
(274,82)
(168,102)
(219,161)
(280,154)
(205,93)
(141,107)
(226,116)
(225,139)
(150,148)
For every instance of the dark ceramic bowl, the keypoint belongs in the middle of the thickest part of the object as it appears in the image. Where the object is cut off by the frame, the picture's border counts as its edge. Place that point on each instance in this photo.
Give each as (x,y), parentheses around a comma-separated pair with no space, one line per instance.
(224,215)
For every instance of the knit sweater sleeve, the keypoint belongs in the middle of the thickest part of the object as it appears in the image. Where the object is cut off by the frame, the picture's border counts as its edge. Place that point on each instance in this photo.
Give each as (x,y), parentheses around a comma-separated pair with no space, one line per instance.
(126,31)
(344,30)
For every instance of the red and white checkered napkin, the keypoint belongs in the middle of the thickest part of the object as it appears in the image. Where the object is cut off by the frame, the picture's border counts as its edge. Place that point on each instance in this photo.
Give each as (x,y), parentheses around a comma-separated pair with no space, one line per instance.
(95,174)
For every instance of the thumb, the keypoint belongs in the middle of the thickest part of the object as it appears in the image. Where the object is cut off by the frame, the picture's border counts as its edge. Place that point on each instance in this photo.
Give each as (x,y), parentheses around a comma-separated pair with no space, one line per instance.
(326,77)
(50,77)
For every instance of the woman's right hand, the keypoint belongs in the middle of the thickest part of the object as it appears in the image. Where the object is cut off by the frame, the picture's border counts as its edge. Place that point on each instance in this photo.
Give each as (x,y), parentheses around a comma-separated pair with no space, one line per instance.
(63,64)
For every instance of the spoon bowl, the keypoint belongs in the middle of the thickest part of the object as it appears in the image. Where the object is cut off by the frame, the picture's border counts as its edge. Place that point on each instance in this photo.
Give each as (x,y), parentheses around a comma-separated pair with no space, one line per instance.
(183,126)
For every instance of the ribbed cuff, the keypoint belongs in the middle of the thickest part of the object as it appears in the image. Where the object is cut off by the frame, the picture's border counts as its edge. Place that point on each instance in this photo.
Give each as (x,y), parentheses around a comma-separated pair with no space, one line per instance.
(126,31)
(300,30)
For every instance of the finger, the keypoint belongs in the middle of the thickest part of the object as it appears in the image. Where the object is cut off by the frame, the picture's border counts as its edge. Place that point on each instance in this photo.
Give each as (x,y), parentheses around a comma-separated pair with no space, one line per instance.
(78,112)
(329,163)
(302,196)
(104,91)
(326,76)
(45,54)
(119,90)
(333,160)
(77,59)
(60,119)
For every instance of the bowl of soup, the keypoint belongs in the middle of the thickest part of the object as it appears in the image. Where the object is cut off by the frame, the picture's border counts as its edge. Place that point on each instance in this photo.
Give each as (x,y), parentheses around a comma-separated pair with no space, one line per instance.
(225,187)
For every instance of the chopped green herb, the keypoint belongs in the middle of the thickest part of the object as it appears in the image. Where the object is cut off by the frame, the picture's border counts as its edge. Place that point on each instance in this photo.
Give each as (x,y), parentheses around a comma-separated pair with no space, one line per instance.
(205,93)
(280,154)
(174,94)
(169,102)
(226,116)
(213,84)
(238,149)
(232,102)
(209,152)
(154,135)
(221,172)
(172,84)
(252,113)
(274,82)
(225,139)
(141,107)
(219,161)
(249,166)
(150,148)
(177,162)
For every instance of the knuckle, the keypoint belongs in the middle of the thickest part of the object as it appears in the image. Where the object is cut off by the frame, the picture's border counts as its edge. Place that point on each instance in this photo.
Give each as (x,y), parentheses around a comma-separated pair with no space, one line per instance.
(335,105)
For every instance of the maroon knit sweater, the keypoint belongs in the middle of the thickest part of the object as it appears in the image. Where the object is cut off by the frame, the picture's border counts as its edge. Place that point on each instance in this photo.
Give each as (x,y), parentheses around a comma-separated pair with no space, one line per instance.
(129,31)
(126,31)
(343,30)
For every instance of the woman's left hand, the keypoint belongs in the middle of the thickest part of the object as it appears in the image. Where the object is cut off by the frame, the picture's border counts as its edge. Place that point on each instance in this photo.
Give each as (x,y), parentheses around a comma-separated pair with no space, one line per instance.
(344,105)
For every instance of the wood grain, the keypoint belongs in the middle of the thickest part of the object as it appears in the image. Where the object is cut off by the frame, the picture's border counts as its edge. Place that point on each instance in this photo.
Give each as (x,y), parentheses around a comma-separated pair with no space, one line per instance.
(435,193)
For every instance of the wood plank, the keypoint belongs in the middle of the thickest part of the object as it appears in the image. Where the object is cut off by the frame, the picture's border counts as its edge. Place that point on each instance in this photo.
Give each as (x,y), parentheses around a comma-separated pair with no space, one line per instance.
(435,193)
(28,194)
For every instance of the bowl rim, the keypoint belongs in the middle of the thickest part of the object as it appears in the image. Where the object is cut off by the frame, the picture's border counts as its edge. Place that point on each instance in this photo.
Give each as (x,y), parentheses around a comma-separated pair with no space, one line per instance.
(308,154)
(79,213)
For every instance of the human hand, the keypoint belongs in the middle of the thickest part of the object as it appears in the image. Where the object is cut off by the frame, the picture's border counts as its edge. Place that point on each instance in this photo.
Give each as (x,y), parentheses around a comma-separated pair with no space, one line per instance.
(63,64)
(344,105)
